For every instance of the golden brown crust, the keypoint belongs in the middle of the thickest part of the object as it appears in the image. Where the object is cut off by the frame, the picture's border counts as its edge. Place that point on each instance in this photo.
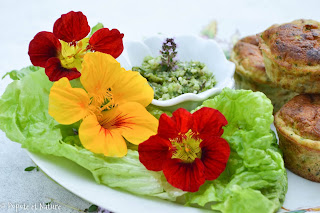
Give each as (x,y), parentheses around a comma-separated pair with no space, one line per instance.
(291,55)
(302,113)
(296,43)
(248,59)
(297,124)
(253,39)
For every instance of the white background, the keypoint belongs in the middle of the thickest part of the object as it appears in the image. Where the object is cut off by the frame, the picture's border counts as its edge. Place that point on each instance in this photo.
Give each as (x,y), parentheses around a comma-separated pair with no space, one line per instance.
(21,20)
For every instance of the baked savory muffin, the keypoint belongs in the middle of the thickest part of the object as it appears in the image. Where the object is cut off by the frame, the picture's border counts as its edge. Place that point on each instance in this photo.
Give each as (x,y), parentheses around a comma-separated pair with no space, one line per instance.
(298,127)
(250,72)
(291,55)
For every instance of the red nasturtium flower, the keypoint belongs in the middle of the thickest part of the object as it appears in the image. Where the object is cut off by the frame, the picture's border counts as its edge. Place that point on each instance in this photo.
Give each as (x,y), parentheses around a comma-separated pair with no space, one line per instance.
(61,52)
(188,148)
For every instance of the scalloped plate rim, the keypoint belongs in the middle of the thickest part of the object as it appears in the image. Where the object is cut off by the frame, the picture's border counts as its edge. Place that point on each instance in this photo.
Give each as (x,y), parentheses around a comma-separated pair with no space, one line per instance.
(228,81)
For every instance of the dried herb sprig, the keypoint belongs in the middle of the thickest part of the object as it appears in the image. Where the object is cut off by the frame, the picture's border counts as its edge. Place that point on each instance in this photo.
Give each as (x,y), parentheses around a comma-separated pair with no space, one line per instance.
(168,54)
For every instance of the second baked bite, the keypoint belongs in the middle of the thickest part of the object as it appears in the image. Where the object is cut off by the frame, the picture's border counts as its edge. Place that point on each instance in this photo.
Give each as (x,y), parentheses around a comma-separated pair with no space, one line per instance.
(251,75)
(298,127)
(291,55)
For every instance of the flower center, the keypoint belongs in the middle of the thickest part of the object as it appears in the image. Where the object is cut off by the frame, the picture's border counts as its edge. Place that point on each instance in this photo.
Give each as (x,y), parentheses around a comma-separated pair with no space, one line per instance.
(108,101)
(102,102)
(71,55)
(187,149)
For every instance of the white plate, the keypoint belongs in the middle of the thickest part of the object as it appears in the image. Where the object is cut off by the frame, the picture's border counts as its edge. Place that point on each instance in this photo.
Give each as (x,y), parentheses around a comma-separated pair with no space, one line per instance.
(80,182)
(301,194)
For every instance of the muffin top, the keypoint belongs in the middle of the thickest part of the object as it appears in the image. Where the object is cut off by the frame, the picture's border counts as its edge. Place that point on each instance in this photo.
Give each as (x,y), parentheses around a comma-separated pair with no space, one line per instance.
(297,43)
(302,114)
(249,60)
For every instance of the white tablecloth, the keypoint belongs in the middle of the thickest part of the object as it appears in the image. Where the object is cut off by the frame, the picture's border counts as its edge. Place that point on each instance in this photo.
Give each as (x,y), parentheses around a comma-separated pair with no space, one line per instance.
(21,20)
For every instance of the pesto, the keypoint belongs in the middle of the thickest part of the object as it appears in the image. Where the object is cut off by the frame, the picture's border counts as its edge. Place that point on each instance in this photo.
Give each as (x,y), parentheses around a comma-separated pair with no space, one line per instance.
(187,77)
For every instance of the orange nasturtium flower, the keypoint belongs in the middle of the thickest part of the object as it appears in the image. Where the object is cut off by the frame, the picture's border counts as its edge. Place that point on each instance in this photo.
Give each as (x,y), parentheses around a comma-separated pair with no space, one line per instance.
(112,106)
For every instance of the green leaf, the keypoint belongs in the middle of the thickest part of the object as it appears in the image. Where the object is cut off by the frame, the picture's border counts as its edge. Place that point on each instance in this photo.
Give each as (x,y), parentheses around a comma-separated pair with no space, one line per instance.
(30,168)
(96,28)
(255,179)
(156,112)
(24,118)
(19,74)
(93,208)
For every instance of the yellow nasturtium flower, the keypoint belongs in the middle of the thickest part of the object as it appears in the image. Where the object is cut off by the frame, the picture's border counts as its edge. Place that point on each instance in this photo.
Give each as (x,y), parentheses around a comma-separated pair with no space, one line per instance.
(112,105)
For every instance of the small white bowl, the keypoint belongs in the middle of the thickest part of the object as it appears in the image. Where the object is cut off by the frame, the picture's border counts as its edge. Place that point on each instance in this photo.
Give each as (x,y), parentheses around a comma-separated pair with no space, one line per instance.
(188,48)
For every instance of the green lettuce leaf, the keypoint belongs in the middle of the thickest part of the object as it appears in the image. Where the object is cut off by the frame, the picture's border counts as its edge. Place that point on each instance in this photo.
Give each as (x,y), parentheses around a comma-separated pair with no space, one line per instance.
(19,74)
(156,112)
(24,118)
(255,179)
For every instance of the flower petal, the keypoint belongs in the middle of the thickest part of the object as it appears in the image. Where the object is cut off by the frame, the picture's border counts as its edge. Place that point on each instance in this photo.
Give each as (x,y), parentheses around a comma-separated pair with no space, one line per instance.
(67,105)
(208,122)
(183,120)
(107,41)
(55,71)
(215,155)
(167,127)
(154,152)
(99,140)
(71,27)
(132,120)
(99,73)
(132,87)
(185,176)
(43,46)
(179,123)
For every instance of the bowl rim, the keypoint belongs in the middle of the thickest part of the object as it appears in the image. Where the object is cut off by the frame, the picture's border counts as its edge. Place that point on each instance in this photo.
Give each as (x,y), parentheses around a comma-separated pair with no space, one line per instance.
(228,82)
